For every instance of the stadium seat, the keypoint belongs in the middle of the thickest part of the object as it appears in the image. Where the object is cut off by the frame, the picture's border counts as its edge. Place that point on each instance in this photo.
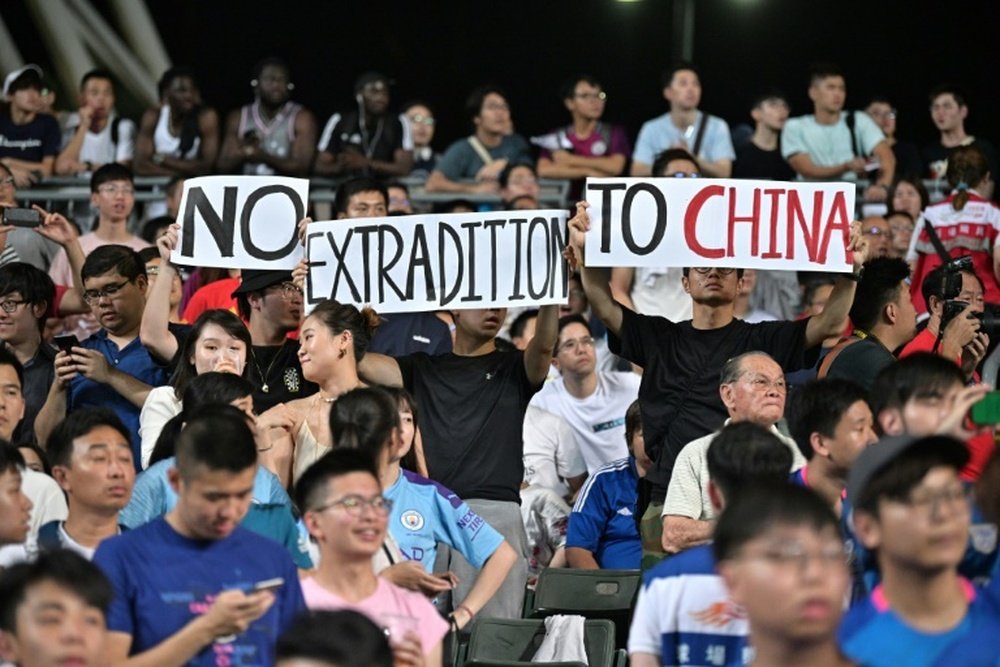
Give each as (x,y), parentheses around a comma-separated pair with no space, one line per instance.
(511,643)
(595,594)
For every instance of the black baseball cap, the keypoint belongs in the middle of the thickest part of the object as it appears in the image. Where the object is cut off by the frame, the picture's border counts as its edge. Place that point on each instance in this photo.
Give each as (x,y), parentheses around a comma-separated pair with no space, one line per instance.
(254,280)
(877,457)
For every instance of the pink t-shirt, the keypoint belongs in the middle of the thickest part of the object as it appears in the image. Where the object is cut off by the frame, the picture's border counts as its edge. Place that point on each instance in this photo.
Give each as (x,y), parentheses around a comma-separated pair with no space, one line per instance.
(386,602)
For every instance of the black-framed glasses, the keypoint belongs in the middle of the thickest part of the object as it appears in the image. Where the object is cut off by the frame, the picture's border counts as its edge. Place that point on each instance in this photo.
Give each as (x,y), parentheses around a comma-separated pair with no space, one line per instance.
(10,305)
(355,505)
(705,270)
(92,296)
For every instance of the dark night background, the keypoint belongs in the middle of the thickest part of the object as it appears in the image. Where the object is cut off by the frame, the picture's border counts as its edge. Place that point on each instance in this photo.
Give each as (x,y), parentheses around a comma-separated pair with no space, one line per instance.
(439,51)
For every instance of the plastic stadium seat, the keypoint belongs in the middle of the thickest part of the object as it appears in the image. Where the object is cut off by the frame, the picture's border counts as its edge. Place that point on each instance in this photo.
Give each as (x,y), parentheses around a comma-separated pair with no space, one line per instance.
(595,594)
(510,643)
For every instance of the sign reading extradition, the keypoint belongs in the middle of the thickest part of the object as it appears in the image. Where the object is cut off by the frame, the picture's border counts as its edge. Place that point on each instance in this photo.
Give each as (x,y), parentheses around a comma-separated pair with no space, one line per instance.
(431,262)
(241,222)
(666,222)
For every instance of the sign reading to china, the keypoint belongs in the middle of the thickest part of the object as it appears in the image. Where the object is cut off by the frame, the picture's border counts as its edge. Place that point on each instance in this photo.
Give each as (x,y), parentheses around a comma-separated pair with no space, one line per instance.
(691,222)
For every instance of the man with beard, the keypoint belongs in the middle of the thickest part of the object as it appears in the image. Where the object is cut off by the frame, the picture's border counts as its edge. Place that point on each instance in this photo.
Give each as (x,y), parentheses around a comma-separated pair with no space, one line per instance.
(112,368)
(273,135)
(367,142)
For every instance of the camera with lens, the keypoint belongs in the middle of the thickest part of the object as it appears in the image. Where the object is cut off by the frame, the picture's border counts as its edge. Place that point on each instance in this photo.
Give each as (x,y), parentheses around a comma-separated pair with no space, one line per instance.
(951,287)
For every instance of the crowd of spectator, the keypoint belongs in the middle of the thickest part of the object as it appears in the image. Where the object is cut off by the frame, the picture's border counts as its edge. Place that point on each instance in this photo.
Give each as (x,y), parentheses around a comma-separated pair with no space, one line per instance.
(192,471)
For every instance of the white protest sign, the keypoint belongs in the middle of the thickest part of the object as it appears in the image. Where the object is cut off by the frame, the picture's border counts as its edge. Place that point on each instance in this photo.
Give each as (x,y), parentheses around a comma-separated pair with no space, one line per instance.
(666,222)
(241,222)
(430,262)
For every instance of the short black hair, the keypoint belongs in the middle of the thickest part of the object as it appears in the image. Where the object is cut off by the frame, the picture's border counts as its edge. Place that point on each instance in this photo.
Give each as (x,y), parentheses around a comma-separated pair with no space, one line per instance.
(633,422)
(505,174)
(216,437)
(520,322)
(113,258)
(106,173)
(768,94)
(474,102)
(818,406)
(96,74)
(567,90)
(338,638)
(820,71)
(667,77)
(880,285)
(148,254)
(898,478)
(743,453)
(567,320)
(174,73)
(270,61)
(763,506)
(947,89)
(348,189)
(34,285)
(151,227)
(79,423)
(812,284)
(66,569)
(919,375)
(664,158)
(398,184)
(310,490)
(10,458)
(40,453)
(7,358)
(933,284)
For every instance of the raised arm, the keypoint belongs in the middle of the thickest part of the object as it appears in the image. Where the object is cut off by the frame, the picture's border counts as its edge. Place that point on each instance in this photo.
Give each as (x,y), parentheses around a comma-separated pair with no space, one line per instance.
(829,323)
(154,331)
(595,281)
(538,354)
(68,161)
(381,369)
(56,227)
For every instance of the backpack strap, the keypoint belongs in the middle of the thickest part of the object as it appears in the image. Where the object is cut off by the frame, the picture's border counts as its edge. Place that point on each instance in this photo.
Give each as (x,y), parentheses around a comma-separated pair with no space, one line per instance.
(700,135)
(850,128)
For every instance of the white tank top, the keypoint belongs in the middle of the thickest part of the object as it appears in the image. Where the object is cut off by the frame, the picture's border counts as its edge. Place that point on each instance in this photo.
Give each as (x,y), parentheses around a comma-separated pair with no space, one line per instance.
(166,143)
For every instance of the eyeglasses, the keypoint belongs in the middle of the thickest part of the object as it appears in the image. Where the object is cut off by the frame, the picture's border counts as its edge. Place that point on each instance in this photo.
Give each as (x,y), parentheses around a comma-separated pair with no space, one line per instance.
(10,305)
(794,554)
(115,190)
(421,119)
(602,96)
(902,228)
(7,181)
(572,344)
(684,174)
(705,270)
(289,291)
(152,270)
(355,505)
(928,502)
(761,383)
(496,106)
(93,296)
(876,231)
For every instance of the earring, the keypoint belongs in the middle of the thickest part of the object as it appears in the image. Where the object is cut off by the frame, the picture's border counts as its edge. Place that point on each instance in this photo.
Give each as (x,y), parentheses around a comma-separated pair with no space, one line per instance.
(342,353)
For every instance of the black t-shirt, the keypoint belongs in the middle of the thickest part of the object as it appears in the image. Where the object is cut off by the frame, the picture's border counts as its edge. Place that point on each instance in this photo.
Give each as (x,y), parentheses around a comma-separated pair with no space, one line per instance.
(31,142)
(934,154)
(277,368)
(471,415)
(679,393)
(908,162)
(407,333)
(378,142)
(861,362)
(754,162)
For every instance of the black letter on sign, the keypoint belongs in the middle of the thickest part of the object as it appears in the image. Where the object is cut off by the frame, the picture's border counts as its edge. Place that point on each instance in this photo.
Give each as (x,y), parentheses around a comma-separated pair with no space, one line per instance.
(311,299)
(606,189)
(419,257)
(535,224)
(220,228)
(257,195)
(383,266)
(338,256)
(446,296)
(661,218)
(470,227)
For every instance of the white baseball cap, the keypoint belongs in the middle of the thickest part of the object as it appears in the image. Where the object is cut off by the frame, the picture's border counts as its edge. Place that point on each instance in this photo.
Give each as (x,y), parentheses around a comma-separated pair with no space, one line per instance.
(16,74)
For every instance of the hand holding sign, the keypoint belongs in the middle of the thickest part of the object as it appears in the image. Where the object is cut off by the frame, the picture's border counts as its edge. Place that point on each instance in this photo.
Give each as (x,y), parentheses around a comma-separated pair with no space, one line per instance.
(243,222)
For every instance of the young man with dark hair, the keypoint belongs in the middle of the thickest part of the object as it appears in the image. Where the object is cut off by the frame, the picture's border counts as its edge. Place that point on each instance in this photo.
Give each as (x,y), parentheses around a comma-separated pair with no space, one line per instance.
(833,144)
(399,198)
(273,135)
(684,126)
(519,181)
(832,424)
(369,141)
(761,156)
(912,510)
(522,329)
(884,319)
(91,458)
(362,197)
(53,612)
(487,152)
(333,639)
(186,583)
(587,147)
(780,551)
(683,607)
(949,110)
(112,368)
(112,193)
(95,135)
(29,139)
(593,403)
(883,112)
(15,506)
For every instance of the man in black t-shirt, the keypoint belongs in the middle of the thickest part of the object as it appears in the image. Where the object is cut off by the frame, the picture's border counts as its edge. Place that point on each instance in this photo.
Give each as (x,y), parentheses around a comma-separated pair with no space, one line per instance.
(29,140)
(761,156)
(472,403)
(682,360)
(369,141)
(949,111)
(272,305)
